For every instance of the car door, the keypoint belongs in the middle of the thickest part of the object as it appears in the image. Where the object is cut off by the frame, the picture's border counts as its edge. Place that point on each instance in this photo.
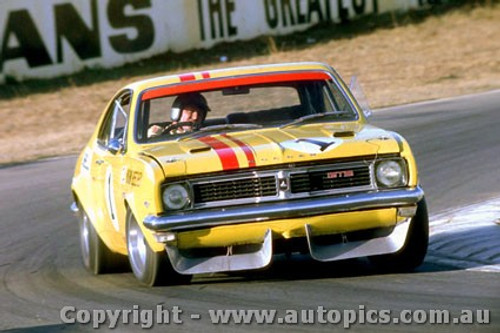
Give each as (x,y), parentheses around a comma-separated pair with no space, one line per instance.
(108,163)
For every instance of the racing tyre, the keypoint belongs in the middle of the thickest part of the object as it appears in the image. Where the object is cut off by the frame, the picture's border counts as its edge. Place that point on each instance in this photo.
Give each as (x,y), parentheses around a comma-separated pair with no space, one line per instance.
(150,267)
(415,248)
(96,256)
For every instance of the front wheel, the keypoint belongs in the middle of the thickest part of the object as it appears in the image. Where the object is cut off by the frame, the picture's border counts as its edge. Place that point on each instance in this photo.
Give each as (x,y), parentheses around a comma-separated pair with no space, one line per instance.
(96,256)
(415,248)
(150,267)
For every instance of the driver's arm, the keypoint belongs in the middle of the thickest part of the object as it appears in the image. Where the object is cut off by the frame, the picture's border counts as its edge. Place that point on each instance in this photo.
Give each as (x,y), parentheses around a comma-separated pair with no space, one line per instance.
(155,130)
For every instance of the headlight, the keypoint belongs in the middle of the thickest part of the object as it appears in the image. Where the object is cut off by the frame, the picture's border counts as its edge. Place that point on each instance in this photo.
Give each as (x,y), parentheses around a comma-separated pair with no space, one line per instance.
(391,173)
(176,196)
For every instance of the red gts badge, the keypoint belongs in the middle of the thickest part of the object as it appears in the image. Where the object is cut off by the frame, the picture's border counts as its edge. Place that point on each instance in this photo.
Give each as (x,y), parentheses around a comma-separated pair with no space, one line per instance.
(340,174)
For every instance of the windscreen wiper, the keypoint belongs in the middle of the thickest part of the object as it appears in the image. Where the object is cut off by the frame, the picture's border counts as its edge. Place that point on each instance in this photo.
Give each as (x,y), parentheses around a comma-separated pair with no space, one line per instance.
(316,116)
(218,128)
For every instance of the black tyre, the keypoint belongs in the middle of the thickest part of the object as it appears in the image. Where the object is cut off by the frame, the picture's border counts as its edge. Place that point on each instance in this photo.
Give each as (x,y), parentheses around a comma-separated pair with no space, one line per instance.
(415,248)
(150,267)
(96,256)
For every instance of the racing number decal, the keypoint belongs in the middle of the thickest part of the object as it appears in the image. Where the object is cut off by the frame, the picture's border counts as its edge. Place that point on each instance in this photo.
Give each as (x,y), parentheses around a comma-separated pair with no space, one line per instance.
(110,198)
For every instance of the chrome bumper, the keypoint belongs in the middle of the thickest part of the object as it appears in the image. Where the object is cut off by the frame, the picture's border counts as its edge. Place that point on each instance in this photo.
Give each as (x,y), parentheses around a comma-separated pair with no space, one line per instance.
(181,221)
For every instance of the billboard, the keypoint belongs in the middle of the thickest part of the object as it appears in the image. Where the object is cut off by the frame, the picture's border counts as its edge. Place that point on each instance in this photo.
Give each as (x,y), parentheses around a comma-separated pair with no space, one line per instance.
(50,38)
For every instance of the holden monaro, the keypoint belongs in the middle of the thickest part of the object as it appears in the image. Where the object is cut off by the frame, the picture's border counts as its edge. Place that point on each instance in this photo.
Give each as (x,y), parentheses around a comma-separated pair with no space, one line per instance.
(217,171)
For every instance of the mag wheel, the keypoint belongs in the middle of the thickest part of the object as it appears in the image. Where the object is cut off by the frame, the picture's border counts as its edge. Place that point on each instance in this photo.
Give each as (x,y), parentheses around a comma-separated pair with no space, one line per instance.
(415,248)
(96,256)
(150,267)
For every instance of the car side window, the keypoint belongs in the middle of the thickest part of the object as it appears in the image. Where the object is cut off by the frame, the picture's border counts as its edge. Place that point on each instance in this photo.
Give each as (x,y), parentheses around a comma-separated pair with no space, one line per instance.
(114,126)
(339,100)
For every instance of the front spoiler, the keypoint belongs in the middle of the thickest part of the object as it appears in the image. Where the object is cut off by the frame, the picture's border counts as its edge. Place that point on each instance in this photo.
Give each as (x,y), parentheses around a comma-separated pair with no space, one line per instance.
(183,221)
(262,257)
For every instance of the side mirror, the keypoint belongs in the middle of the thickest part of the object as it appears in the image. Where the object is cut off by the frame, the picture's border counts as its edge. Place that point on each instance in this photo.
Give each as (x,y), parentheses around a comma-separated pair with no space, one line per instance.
(115,146)
(360,96)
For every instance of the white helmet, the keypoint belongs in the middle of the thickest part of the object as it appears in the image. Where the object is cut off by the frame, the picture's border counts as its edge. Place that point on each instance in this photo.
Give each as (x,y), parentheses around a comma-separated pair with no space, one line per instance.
(181,101)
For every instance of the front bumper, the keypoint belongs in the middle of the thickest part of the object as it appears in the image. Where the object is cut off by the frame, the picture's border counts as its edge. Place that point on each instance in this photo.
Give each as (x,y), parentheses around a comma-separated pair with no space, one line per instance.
(183,221)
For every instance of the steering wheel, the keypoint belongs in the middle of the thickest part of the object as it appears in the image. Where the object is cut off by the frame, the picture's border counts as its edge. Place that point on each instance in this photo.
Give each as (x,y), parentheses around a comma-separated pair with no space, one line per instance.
(175,126)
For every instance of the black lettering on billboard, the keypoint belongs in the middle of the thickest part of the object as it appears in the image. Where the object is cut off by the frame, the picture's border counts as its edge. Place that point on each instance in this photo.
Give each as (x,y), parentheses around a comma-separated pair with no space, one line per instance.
(286,10)
(428,2)
(201,22)
(231,29)
(315,7)
(215,12)
(343,12)
(84,40)
(219,16)
(301,17)
(142,24)
(328,11)
(271,10)
(359,6)
(29,44)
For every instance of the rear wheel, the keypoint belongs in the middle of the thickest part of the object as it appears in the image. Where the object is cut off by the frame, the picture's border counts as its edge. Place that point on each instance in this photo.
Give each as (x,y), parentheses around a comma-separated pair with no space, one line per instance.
(415,248)
(96,256)
(150,267)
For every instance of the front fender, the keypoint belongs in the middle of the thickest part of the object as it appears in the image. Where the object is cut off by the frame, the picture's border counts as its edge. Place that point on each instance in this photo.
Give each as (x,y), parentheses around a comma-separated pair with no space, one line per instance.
(142,179)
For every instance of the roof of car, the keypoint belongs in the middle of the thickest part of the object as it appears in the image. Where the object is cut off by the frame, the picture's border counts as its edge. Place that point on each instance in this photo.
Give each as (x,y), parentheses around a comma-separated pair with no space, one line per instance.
(229,72)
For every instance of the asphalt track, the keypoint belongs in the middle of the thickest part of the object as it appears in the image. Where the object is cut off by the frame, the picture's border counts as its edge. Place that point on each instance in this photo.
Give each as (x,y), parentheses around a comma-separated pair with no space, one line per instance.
(456,143)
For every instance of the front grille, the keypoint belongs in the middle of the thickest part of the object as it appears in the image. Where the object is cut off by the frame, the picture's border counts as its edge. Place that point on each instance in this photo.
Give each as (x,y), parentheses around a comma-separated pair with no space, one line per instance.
(254,187)
(333,179)
(282,184)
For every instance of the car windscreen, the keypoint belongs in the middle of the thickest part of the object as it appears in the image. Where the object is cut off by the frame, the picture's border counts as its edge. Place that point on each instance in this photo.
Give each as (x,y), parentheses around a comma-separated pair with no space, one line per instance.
(246,107)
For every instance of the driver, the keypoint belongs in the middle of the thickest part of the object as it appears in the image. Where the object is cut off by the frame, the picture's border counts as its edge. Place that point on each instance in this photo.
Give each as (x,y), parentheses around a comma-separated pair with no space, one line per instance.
(188,111)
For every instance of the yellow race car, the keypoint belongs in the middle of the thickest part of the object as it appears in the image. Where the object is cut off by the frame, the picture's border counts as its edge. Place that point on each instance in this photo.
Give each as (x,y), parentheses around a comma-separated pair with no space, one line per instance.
(217,171)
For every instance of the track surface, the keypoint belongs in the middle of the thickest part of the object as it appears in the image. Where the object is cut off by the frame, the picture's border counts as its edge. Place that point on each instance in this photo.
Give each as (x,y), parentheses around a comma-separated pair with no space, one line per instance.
(456,143)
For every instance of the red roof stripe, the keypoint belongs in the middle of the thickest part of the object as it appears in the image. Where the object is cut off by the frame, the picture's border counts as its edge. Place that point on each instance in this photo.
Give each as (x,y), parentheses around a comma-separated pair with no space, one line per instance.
(226,154)
(199,85)
(246,149)
(205,75)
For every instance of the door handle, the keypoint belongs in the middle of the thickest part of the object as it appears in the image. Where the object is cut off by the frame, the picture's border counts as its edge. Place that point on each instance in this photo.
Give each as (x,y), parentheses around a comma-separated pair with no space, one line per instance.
(99,162)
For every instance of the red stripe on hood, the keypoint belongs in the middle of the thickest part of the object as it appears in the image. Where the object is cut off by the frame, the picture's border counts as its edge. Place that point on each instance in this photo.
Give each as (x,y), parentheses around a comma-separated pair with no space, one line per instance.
(226,153)
(246,149)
